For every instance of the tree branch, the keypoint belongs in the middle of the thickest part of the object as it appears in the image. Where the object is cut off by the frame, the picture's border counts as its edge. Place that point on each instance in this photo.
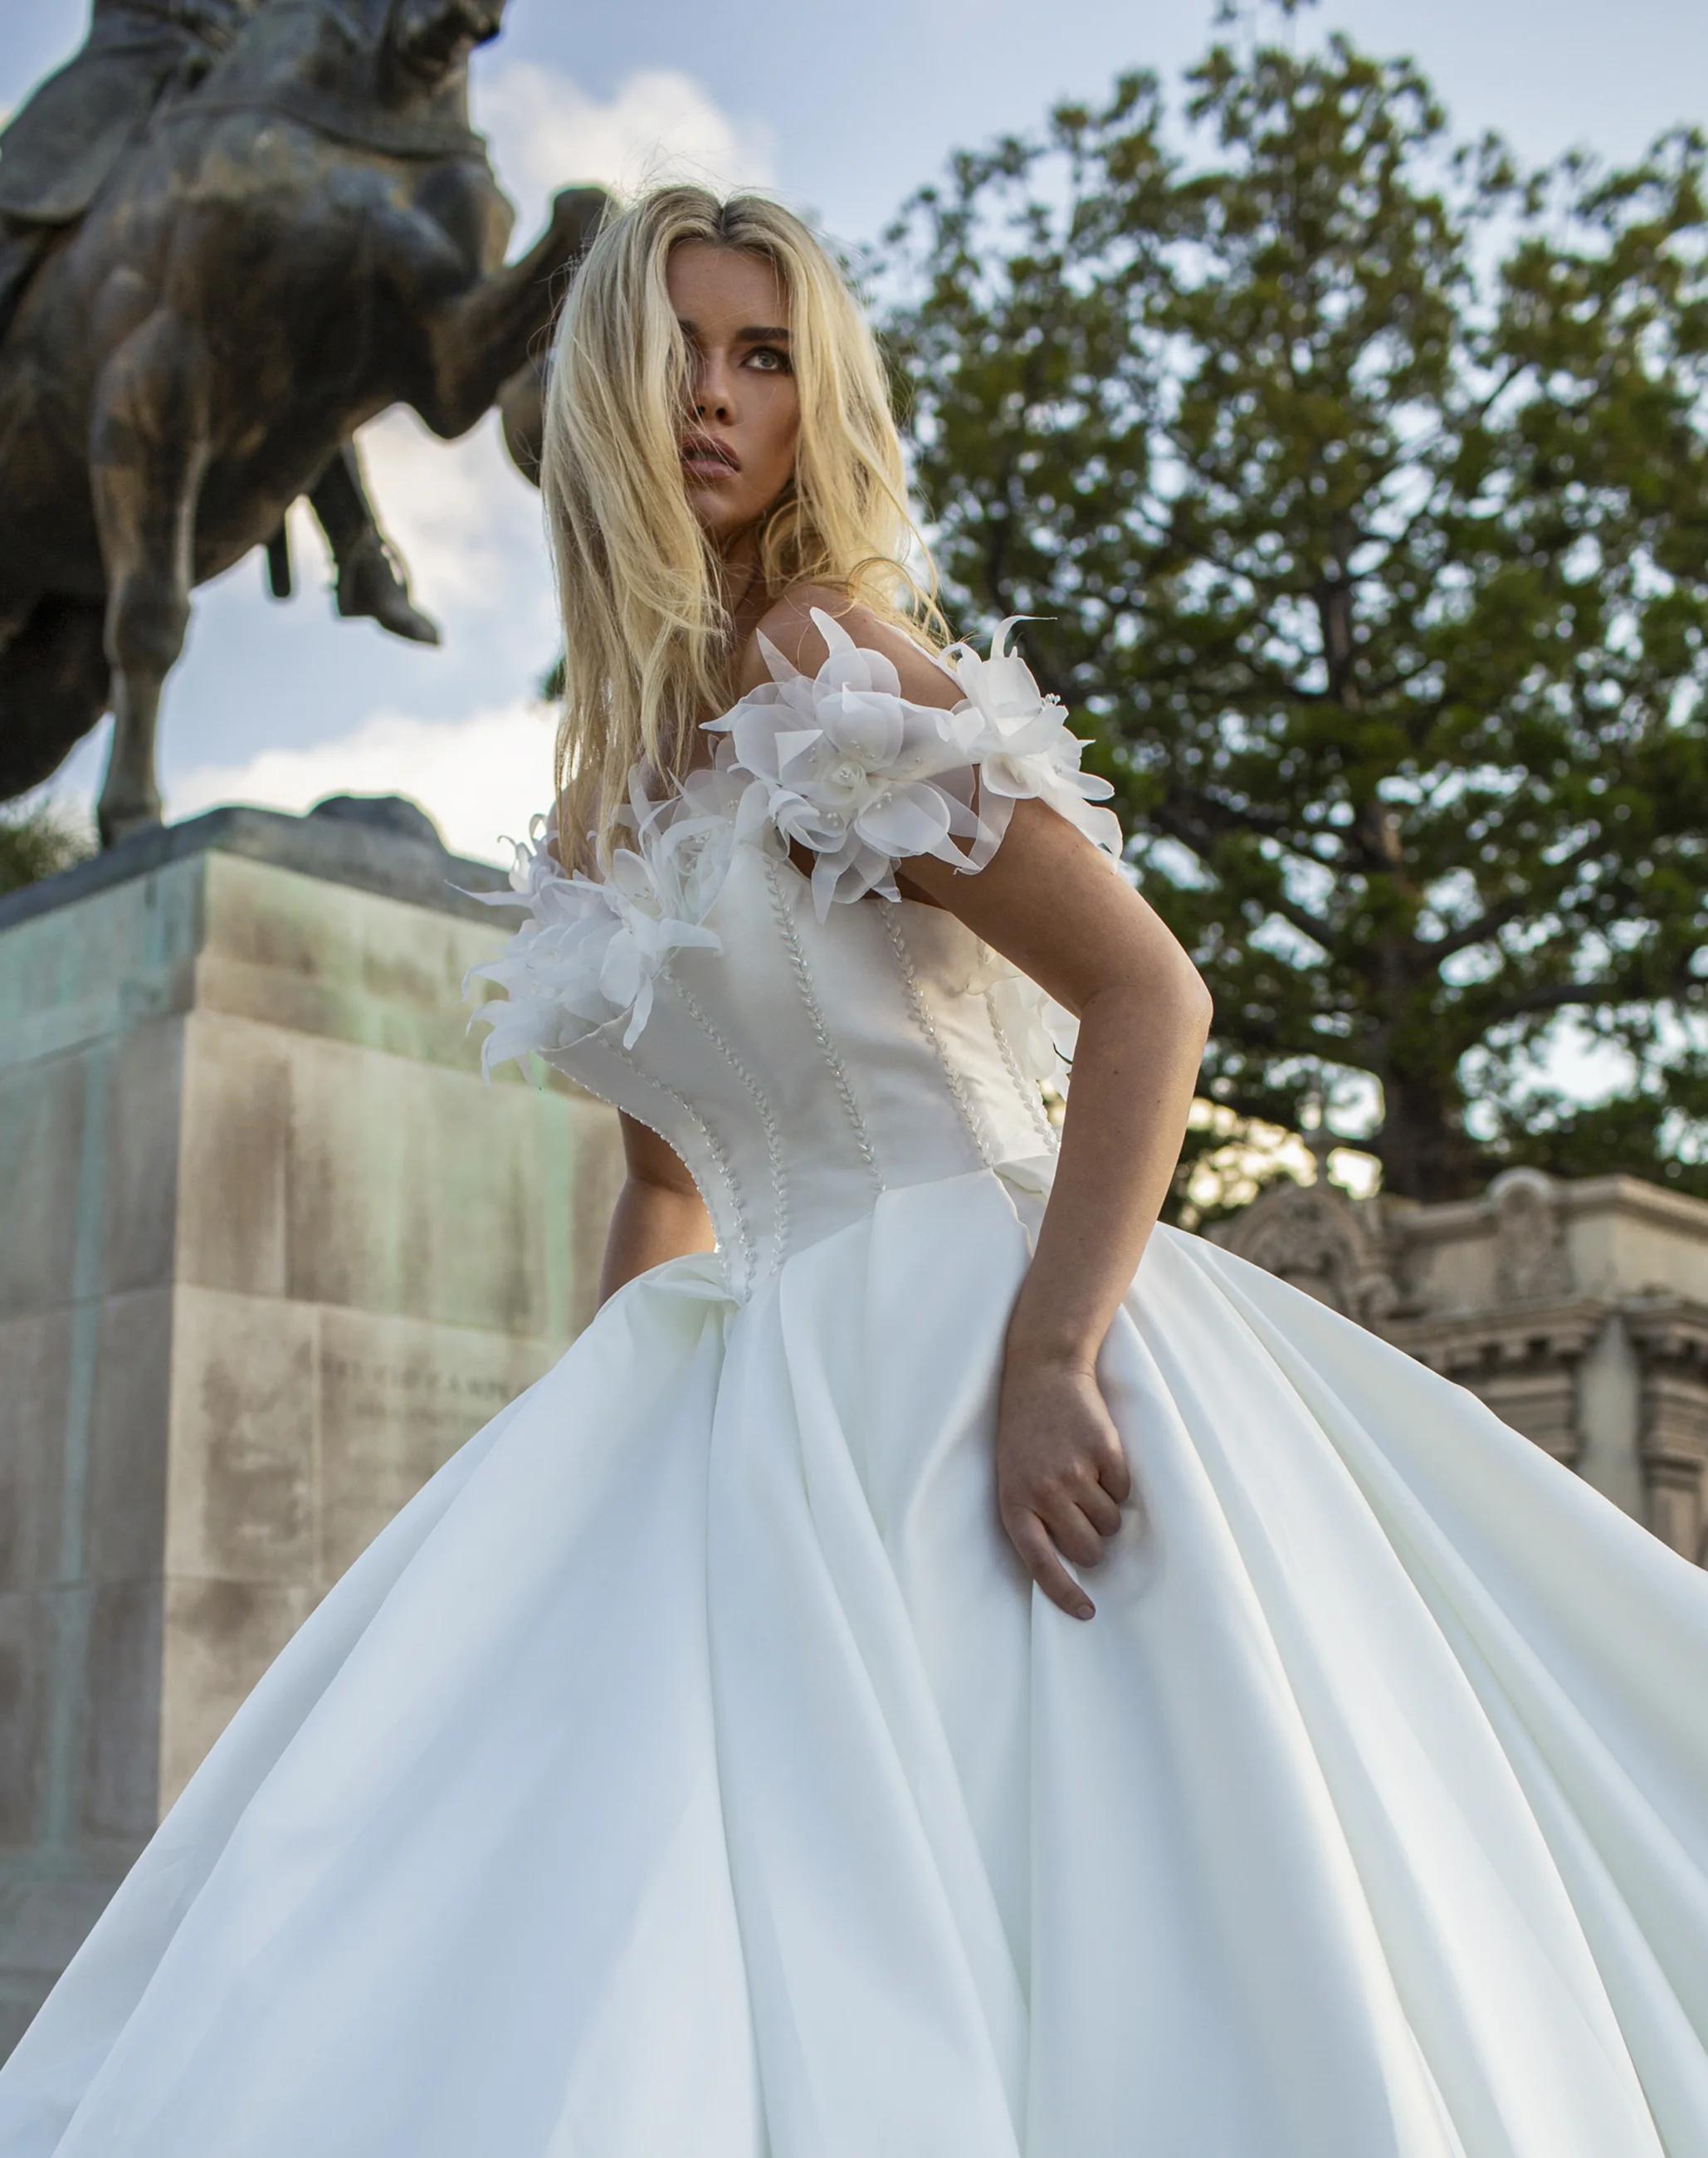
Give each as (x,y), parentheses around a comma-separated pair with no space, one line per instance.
(1492,921)
(1560,996)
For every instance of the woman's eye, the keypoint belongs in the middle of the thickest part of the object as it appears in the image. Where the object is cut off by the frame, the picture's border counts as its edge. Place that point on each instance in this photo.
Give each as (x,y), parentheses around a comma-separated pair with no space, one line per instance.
(770,352)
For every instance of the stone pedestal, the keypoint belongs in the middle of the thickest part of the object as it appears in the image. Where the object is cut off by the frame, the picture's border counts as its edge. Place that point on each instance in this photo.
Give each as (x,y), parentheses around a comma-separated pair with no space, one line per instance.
(269,1252)
(1578,1311)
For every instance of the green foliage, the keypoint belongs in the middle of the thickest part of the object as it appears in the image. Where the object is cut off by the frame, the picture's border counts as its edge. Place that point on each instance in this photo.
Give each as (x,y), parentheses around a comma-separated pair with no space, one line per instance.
(1360,480)
(37,843)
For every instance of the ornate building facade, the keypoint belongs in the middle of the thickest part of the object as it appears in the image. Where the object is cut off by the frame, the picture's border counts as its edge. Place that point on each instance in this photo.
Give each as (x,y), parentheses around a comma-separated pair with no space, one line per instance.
(1578,1311)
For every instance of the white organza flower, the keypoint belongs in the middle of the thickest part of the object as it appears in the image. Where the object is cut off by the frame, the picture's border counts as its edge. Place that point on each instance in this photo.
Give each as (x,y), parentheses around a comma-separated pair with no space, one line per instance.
(842,763)
(592,947)
(1041,1032)
(684,841)
(1023,744)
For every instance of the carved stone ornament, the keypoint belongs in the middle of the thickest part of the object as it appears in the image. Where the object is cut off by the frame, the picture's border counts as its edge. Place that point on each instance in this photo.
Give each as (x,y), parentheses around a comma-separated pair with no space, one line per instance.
(1317,1238)
(1531,1264)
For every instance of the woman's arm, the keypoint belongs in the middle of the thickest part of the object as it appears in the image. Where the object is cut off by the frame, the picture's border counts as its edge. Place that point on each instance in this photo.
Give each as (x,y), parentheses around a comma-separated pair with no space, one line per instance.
(1056,906)
(658,1213)
(1048,901)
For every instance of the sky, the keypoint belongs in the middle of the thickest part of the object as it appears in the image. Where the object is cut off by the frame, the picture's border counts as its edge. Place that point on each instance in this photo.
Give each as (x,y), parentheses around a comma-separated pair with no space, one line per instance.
(840,112)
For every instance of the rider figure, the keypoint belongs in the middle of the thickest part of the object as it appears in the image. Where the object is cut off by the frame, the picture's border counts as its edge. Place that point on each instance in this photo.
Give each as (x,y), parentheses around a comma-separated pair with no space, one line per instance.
(60,147)
(73,130)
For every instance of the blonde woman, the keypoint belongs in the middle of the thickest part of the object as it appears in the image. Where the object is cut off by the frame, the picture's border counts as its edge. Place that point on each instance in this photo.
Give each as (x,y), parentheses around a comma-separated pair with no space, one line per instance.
(945,1666)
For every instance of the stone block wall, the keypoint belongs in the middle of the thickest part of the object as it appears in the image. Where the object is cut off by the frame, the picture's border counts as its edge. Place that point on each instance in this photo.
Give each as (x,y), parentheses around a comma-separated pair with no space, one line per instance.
(269,1250)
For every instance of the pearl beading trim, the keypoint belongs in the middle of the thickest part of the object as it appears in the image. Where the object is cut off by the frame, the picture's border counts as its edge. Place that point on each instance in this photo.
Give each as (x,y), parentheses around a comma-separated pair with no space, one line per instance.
(1024,1086)
(715,1148)
(803,981)
(611,1101)
(970,1121)
(768,1117)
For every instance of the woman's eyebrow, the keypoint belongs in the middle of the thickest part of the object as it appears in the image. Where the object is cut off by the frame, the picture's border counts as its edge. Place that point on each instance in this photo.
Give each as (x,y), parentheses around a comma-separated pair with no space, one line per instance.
(750,335)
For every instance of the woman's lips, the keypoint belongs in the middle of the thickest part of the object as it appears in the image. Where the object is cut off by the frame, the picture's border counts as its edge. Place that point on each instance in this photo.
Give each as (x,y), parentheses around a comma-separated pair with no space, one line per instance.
(704,466)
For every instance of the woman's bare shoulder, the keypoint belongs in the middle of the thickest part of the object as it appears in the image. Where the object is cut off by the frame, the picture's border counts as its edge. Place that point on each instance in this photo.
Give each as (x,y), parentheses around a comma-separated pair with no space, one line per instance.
(788,624)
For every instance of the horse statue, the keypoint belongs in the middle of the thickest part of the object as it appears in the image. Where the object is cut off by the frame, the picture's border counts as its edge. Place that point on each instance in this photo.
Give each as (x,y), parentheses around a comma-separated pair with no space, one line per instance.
(55,156)
(309,235)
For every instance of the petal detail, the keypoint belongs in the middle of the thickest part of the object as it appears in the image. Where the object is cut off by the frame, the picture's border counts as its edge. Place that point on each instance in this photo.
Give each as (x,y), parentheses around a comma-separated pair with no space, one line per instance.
(841,763)
(592,949)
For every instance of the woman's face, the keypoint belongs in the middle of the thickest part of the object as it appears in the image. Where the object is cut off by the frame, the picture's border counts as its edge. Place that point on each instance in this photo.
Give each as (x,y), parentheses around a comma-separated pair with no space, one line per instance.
(743,399)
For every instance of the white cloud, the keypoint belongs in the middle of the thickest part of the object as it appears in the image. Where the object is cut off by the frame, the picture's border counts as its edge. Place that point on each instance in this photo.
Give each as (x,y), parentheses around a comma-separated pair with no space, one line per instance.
(546,133)
(479,778)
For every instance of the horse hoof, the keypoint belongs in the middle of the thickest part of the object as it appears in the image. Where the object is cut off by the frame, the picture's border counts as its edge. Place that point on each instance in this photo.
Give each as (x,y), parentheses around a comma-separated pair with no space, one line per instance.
(115,825)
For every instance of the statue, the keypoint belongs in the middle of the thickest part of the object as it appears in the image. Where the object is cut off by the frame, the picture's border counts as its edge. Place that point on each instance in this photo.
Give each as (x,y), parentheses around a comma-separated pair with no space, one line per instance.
(54,157)
(73,130)
(231,232)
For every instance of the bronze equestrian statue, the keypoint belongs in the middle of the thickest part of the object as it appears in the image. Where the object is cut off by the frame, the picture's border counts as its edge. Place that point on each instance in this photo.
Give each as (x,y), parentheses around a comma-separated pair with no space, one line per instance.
(297,231)
(54,157)
(65,141)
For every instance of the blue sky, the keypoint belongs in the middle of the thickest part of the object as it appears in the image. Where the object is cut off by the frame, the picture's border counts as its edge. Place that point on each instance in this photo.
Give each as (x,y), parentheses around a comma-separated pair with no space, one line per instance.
(841,112)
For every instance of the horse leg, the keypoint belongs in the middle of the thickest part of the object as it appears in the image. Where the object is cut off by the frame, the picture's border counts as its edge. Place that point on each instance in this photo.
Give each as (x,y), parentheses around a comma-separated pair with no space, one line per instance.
(522,417)
(478,342)
(371,581)
(148,448)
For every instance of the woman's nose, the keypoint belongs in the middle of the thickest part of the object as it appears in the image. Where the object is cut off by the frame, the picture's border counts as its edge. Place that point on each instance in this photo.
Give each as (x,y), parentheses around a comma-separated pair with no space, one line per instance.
(713,395)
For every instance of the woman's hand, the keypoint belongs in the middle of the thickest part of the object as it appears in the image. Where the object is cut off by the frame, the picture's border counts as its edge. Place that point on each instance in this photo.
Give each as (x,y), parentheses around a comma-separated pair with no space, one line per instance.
(1061,1471)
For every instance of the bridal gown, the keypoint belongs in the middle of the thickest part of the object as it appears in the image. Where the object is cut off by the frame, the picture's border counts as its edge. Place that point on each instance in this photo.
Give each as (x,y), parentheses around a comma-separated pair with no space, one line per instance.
(691,1770)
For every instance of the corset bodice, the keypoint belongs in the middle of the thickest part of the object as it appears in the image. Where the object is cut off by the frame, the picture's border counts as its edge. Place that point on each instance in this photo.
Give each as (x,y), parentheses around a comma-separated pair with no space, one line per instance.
(805,1045)
(808,1066)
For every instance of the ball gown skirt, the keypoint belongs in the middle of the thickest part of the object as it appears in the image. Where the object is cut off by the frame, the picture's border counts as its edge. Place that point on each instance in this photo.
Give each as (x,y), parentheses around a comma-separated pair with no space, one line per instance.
(690,1768)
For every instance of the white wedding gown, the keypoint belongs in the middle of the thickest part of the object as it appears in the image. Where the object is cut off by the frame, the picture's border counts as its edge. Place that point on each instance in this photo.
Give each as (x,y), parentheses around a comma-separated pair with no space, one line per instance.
(690,1770)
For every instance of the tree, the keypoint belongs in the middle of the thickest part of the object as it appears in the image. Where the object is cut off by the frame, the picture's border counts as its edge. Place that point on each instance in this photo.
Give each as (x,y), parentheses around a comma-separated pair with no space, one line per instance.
(1360,479)
(39,842)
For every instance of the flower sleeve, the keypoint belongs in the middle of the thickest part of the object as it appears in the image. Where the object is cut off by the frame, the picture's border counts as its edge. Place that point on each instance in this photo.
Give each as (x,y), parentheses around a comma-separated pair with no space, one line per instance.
(846,765)
(588,949)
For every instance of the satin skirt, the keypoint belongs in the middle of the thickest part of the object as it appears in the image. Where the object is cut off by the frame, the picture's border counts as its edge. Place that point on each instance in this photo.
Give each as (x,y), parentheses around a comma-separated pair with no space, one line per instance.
(691,1768)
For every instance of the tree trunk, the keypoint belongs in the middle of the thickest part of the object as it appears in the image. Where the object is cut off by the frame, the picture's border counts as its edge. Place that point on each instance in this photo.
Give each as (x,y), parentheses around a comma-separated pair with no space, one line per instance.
(1423,1146)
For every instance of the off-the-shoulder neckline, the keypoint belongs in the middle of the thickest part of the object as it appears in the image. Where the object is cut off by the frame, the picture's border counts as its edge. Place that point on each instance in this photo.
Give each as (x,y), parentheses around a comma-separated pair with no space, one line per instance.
(783,671)
(815,758)
(655,800)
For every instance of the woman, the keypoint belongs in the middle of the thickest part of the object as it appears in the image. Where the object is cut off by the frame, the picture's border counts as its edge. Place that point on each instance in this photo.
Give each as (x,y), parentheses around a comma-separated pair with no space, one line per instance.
(721,1753)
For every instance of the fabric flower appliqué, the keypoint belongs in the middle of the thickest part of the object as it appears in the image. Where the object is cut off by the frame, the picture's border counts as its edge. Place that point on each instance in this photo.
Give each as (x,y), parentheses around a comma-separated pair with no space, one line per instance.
(1023,745)
(843,763)
(592,947)
(1042,1033)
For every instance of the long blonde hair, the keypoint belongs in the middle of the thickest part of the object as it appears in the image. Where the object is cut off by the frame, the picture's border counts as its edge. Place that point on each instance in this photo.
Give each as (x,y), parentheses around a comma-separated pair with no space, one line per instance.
(649,644)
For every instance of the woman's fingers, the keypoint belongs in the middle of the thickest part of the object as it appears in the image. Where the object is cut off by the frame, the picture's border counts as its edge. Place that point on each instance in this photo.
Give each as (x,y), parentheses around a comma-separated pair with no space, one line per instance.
(1076,1536)
(1114,1473)
(1032,1540)
(1062,1475)
(1095,1503)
